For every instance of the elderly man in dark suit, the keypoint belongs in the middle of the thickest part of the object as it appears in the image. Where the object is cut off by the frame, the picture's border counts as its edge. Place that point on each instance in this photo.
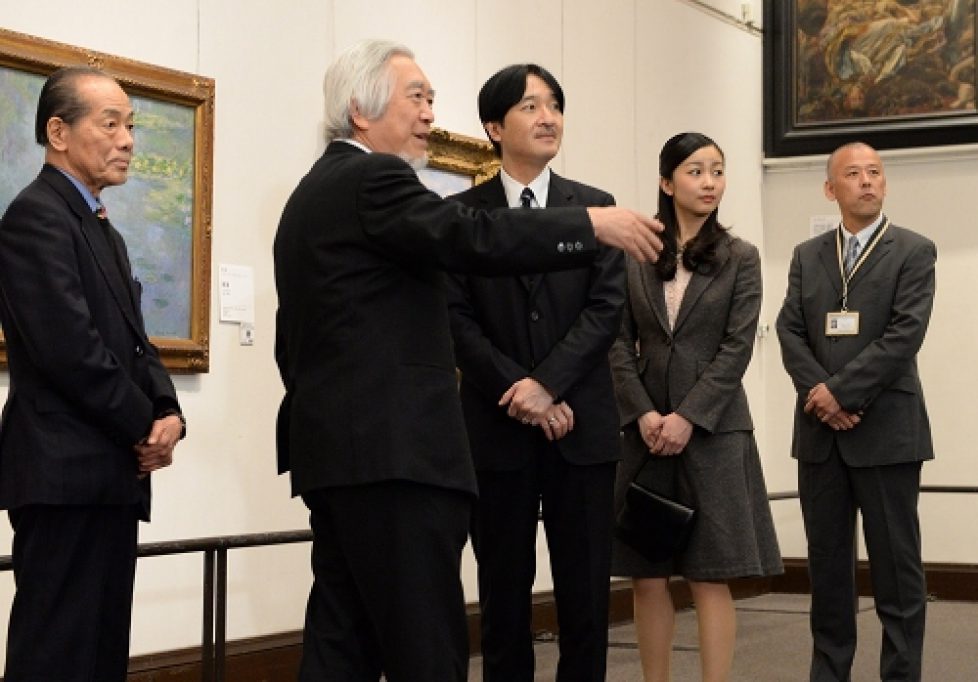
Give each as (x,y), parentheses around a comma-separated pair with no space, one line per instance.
(370,425)
(858,303)
(91,410)
(538,400)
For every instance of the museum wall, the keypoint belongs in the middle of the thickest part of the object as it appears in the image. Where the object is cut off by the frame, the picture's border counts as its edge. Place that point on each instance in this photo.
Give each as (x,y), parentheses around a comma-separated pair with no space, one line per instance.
(635,72)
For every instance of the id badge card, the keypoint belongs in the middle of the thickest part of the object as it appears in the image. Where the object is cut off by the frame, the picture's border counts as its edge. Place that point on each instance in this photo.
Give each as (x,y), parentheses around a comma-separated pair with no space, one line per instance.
(843,323)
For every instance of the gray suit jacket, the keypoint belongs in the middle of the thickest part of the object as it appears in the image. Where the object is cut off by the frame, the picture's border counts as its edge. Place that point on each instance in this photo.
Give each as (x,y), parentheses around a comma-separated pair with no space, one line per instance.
(695,369)
(874,372)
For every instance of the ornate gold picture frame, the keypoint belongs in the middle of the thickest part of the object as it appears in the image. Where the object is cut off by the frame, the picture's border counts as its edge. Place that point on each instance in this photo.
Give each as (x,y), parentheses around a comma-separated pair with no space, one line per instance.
(458,162)
(165,207)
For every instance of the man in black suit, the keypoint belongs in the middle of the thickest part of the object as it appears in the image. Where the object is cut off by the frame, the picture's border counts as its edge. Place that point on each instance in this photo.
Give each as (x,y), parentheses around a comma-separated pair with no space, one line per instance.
(370,424)
(858,303)
(538,400)
(91,410)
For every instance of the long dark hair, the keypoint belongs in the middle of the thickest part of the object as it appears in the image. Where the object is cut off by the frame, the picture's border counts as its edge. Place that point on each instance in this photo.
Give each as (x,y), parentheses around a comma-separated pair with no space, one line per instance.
(699,254)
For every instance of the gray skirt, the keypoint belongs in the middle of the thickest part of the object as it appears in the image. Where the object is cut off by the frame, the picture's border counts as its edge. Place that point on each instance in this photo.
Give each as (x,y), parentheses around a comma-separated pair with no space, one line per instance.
(718,475)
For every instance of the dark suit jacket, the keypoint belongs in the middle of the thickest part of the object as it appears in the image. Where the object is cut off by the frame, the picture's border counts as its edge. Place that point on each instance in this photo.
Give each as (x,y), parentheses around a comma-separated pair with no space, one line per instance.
(875,372)
(697,368)
(556,328)
(85,382)
(362,339)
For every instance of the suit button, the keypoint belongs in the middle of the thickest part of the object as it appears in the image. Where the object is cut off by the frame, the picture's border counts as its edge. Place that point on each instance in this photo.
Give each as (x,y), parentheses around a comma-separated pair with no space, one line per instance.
(139,351)
(535,315)
(668,340)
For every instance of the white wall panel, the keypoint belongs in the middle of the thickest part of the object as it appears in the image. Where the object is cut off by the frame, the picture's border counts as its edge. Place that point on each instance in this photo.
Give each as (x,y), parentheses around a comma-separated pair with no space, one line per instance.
(517,32)
(442,35)
(599,65)
(160,33)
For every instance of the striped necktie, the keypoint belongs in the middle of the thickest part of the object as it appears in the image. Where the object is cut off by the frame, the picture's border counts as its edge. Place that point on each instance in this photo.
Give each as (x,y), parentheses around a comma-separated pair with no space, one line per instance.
(852,253)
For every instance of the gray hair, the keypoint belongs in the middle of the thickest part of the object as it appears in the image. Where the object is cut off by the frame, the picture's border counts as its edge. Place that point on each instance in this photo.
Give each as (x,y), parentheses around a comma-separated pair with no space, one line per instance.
(360,76)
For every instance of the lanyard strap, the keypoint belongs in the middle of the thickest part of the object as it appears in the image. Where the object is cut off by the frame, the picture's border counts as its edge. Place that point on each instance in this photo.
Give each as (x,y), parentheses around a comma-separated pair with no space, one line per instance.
(846,276)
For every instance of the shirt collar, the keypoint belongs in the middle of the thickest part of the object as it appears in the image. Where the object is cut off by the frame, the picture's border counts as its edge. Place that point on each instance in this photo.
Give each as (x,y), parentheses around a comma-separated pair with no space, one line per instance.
(89,198)
(355,143)
(540,186)
(864,234)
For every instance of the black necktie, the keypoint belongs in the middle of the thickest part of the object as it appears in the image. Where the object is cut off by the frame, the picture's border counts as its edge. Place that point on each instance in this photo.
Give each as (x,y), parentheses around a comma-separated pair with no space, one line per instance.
(103,220)
(526,201)
(117,255)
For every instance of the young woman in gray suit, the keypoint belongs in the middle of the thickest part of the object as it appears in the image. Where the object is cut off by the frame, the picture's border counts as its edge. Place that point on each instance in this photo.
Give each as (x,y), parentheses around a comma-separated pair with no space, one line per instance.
(685,343)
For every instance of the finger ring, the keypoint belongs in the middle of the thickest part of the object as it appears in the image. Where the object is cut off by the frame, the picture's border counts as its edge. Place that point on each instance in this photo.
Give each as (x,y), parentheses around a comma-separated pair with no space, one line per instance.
(525,420)
(552,420)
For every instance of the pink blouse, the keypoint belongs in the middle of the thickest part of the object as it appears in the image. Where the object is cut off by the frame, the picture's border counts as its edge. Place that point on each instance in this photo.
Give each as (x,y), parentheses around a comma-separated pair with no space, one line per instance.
(674,291)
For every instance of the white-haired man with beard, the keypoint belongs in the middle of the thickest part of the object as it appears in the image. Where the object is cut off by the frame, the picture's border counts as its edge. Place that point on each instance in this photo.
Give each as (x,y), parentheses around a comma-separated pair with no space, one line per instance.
(370,425)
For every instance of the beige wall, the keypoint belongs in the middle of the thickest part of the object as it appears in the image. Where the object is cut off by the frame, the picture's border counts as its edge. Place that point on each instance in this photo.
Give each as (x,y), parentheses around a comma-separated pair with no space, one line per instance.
(635,72)
(929,191)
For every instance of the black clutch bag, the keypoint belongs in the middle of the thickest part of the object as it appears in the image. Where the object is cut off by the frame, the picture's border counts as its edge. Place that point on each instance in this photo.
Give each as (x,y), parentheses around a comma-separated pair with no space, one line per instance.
(653,525)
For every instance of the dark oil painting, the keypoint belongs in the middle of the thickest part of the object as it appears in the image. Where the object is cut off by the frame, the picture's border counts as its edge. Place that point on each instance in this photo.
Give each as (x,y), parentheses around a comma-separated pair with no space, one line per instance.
(867,59)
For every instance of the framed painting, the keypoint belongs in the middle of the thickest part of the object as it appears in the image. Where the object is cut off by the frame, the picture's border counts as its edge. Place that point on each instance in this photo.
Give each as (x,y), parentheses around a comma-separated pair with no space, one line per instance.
(891,73)
(163,210)
(456,162)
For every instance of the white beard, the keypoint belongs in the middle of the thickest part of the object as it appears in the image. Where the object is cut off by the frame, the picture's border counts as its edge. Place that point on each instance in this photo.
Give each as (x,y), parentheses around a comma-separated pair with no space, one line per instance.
(417,163)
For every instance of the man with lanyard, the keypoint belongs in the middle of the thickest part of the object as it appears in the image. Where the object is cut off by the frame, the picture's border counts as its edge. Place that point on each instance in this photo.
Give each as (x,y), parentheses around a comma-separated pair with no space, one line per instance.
(857,307)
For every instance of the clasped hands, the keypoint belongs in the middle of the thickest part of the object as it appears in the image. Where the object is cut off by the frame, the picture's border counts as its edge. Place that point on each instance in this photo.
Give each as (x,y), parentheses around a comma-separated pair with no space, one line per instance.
(821,403)
(155,451)
(665,436)
(532,404)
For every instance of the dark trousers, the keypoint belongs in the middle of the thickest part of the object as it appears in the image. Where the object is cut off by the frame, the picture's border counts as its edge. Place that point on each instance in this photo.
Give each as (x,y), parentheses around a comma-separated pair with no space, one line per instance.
(387,594)
(577,503)
(74,568)
(886,497)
